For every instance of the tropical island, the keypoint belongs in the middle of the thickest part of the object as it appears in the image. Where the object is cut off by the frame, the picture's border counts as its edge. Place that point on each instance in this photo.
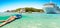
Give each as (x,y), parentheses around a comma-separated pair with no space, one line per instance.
(27,9)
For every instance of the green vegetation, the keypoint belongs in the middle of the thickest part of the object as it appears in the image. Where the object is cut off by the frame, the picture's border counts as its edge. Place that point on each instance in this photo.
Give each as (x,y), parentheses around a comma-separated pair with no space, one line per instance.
(27,10)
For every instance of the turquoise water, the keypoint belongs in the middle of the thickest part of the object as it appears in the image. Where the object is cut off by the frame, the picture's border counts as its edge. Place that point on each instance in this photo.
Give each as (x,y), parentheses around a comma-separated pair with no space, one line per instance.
(35,20)
(4,17)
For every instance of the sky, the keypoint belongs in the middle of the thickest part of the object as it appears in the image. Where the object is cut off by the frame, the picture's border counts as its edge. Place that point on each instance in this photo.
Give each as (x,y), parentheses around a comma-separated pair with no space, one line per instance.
(13,4)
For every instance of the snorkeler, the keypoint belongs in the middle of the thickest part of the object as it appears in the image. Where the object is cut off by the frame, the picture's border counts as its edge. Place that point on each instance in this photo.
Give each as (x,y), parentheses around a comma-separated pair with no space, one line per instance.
(11,19)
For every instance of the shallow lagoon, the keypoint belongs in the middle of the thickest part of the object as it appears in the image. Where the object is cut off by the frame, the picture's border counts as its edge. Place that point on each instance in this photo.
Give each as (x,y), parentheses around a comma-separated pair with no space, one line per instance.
(34,20)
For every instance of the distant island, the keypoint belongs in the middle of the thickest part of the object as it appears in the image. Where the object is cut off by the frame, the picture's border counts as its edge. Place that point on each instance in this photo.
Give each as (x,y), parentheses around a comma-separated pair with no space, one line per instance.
(26,9)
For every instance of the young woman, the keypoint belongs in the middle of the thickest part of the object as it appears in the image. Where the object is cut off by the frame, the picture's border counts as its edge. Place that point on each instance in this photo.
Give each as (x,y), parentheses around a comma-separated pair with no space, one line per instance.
(11,19)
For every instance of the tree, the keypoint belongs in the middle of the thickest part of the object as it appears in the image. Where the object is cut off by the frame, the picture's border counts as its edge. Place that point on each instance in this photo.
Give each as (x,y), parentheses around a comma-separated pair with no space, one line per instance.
(7,11)
(27,9)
